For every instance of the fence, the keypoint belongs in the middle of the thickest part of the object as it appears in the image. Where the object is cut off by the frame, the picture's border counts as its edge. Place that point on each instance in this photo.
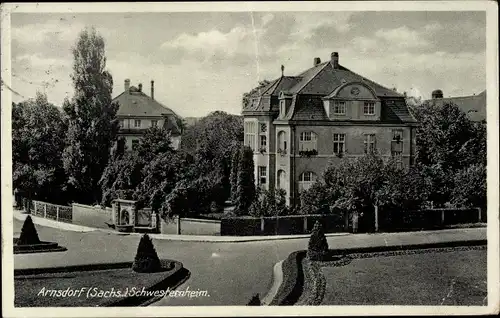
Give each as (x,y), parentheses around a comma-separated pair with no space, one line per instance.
(282,225)
(47,210)
(392,220)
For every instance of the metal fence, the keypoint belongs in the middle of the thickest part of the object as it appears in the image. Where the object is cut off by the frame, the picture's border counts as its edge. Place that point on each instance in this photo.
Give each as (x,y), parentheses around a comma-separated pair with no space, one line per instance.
(47,210)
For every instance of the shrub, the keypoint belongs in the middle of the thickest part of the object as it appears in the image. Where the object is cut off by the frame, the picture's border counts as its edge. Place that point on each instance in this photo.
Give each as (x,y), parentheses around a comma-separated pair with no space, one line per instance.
(318,246)
(255,301)
(29,234)
(146,259)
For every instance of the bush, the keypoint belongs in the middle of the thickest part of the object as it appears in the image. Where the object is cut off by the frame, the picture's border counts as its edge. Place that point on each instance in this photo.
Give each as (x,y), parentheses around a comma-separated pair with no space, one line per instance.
(146,259)
(29,234)
(255,301)
(318,246)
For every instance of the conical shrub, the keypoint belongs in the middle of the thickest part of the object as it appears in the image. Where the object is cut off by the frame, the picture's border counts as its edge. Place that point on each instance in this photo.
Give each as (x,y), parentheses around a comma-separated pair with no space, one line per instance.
(29,235)
(146,259)
(255,301)
(318,246)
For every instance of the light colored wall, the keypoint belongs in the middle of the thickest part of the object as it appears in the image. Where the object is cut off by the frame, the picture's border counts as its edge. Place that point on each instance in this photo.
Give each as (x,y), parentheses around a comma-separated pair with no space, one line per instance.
(91,216)
(145,122)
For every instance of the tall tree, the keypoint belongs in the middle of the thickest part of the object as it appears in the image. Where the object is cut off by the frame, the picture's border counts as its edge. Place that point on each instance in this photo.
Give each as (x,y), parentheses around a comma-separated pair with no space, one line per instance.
(38,132)
(246,193)
(234,172)
(92,121)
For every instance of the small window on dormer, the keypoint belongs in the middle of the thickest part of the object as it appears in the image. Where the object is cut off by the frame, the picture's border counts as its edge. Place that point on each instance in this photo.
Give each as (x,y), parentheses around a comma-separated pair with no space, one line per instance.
(369,108)
(339,108)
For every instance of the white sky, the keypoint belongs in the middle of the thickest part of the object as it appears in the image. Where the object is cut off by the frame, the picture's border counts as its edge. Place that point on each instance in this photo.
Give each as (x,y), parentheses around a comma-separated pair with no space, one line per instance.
(203,62)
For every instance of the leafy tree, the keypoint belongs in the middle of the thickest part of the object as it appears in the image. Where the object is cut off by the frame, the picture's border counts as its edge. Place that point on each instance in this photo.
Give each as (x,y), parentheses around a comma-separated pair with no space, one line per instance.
(316,200)
(269,203)
(318,246)
(91,118)
(470,187)
(246,192)
(38,133)
(154,141)
(255,301)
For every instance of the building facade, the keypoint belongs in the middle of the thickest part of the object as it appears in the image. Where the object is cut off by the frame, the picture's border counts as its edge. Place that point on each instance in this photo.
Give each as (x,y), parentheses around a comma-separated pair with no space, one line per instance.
(474,106)
(138,112)
(298,125)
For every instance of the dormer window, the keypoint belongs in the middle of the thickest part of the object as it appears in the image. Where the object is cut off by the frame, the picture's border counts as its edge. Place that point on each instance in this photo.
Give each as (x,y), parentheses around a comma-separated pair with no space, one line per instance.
(137,123)
(369,108)
(339,108)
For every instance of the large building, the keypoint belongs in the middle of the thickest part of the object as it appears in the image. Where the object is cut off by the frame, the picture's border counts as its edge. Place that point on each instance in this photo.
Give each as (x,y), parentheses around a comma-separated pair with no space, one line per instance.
(296,125)
(474,106)
(138,112)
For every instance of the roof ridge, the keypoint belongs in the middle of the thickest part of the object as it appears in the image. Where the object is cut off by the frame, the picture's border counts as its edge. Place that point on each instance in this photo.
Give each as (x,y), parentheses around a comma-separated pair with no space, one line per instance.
(275,84)
(312,77)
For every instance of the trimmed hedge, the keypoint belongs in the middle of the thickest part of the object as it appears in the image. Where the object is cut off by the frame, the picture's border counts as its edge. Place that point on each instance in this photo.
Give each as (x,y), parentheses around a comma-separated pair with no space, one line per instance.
(293,280)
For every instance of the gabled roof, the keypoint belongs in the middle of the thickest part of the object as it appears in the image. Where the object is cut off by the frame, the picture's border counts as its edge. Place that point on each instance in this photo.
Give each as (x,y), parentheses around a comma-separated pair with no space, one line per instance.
(135,103)
(473,106)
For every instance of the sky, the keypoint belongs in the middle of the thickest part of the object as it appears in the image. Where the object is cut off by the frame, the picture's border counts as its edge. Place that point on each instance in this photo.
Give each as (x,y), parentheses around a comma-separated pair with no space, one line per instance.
(202,62)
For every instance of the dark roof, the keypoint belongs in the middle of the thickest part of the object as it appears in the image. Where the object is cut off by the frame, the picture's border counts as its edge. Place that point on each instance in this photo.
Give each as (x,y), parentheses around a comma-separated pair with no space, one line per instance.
(474,106)
(135,103)
(321,80)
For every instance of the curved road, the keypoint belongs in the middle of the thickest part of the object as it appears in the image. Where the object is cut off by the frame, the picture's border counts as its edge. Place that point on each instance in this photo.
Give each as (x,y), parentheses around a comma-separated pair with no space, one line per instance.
(230,272)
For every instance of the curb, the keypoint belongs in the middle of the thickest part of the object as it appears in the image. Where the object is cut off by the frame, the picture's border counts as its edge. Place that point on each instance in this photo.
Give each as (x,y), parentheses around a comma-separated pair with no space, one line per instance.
(277,281)
(169,237)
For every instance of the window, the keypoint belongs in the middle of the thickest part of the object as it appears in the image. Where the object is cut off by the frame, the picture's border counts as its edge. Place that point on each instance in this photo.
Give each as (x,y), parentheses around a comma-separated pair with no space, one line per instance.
(397,140)
(282,108)
(369,143)
(338,143)
(135,144)
(306,180)
(282,142)
(398,158)
(250,134)
(263,127)
(137,123)
(339,108)
(281,182)
(307,141)
(154,123)
(122,123)
(369,108)
(263,142)
(262,175)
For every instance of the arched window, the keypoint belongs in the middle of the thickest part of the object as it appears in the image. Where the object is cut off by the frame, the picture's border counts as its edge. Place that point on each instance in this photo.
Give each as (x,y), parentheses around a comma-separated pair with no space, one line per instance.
(306,180)
(308,141)
(282,146)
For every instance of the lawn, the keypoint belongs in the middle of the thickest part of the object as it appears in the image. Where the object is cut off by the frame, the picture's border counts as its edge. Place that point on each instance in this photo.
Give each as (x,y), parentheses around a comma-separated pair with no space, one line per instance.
(91,288)
(453,278)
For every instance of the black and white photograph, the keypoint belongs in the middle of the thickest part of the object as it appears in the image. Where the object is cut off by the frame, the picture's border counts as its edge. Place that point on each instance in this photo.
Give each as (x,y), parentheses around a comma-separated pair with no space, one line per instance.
(206,159)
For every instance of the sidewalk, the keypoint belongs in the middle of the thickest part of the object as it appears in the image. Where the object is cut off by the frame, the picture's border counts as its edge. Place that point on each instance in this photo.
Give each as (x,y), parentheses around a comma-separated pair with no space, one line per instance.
(231,272)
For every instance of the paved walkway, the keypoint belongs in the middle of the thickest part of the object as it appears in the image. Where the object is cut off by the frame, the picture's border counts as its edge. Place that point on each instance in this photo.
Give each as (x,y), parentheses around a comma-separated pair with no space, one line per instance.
(230,272)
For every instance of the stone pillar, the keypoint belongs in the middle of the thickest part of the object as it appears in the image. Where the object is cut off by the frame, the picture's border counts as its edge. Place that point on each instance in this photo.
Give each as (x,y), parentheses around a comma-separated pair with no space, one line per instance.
(376,218)
(178,224)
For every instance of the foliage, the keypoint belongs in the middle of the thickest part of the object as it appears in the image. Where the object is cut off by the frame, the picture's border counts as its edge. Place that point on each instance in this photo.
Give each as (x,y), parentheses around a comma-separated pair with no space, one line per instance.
(235,159)
(154,141)
(246,193)
(29,235)
(255,301)
(92,123)
(269,203)
(146,259)
(316,200)
(38,133)
(318,246)
(470,187)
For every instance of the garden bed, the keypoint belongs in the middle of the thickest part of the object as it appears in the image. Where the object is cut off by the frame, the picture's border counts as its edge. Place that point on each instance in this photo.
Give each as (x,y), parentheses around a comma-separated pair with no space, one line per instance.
(42,247)
(95,285)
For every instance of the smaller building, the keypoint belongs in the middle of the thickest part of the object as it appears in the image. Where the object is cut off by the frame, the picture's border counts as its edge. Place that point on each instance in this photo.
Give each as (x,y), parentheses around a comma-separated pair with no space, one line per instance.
(139,112)
(474,105)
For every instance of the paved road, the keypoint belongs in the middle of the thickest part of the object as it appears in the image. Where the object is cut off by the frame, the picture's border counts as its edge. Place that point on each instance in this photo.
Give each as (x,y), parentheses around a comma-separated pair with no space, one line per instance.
(230,272)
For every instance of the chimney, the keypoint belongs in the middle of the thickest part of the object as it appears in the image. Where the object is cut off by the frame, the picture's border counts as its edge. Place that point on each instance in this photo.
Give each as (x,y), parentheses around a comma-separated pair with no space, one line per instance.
(437,94)
(152,89)
(335,59)
(140,87)
(127,86)
(317,61)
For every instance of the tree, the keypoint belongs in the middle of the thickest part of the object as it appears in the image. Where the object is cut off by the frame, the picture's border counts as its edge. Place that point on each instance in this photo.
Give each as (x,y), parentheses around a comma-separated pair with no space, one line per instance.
(470,187)
(316,200)
(146,259)
(38,133)
(245,194)
(318,246)
(269,203)
(29,235)
(234,172)
(92,121)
